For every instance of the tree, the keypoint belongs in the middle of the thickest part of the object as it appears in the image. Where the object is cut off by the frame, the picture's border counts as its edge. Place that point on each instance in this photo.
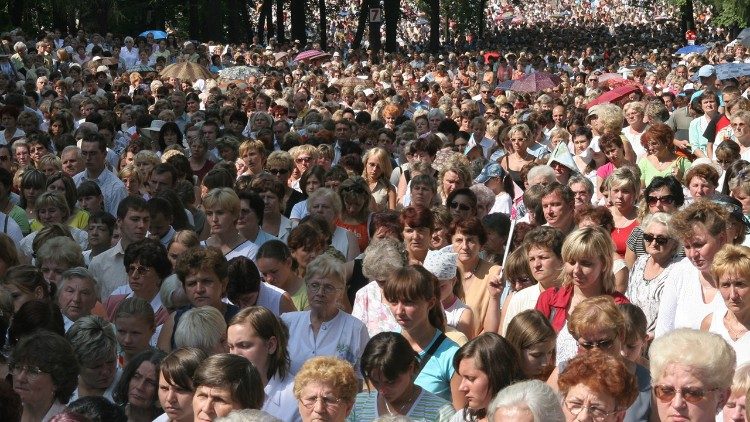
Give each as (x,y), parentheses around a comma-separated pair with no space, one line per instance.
(280,37)
(392,14)
(434,44)
(323,25)
(298,13)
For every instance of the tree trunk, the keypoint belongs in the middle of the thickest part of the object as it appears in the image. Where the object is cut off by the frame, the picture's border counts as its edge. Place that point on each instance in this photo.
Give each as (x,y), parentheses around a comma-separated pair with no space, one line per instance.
(392,16)
(15,12)
(213,26)
(194,30)
(480,19)
(280,37)
(59,15)
(434,44)
(376,43)
(235,33)
(687,19)
(323,25)
(268,4)
(298,17)
(263,18)
(361,24)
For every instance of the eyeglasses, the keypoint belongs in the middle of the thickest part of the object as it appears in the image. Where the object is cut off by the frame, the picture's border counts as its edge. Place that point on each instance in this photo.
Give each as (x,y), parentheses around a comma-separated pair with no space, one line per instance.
(666,199)
(463,207)
(596,413)
(328,401)
(139,270)
(31,371)
(601,344)
(666,393)
(327,288)
(303,160)
(660,240)
(278,171)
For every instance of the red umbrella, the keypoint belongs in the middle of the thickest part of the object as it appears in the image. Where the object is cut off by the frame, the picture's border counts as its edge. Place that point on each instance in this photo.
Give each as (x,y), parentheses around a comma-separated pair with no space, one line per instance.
(535,82)
(307,55)
(489,54)
(614,95)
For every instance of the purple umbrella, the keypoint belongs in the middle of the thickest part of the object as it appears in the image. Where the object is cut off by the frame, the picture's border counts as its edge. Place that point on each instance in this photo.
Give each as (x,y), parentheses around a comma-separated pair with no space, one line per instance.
(535,82)
(307,55)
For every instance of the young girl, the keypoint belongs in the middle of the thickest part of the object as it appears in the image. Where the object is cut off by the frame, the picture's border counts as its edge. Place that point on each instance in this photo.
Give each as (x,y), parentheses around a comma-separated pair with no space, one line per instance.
(376,173)
(275,263)
(442,264)
(636,338)
(135,326)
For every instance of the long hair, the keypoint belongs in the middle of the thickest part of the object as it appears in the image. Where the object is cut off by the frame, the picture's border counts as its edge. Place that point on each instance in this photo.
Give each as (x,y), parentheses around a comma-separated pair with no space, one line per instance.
(414,283)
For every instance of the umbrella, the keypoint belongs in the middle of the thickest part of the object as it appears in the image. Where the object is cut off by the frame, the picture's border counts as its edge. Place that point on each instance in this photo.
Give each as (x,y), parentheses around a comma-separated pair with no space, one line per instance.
(744,37)
(238,73)
(517,19)
(141,68)
(535,82)
(157,33)
(186,71)
(692,49)
(353,81)
(280,55)
(663,18)
(607,77)
(489,54)
(505,85)
(307,54)
(421,21)
(613,96)
(732,70)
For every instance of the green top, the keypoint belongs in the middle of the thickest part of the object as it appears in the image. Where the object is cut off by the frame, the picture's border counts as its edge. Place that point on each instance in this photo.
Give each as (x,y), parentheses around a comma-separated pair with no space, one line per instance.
(678,168)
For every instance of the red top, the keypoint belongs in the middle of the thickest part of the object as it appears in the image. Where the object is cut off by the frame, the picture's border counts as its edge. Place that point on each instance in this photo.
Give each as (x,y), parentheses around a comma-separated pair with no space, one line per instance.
(722,123)
(359,230)
(554,304)
(620,237)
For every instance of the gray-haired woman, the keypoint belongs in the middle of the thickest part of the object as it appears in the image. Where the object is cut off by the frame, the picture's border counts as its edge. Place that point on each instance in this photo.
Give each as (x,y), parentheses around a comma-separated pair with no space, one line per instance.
(95,347)
(528,401)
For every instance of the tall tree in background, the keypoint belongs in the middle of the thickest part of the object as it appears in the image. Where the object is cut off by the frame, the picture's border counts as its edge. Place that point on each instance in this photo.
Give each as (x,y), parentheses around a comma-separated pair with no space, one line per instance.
(361,23)
(392,12)
(298,13)
(280,22)
(264,21)
(323,25)
(434,44)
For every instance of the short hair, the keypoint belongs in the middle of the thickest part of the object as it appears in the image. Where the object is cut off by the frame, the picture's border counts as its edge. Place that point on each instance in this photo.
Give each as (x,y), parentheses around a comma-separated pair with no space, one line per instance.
(741,380)
(78,272)
(711,216)
(178,367)
(527,329)
(661,218)
(53,355)
(390,353)
(610,140)
(62,250)
(88,188)
(135,307)
(382,257)
(267,183)
(328,195)
(234,373)
(471,226)
(581,179)
(8,251)
(93,340)
(255,202)
(705,171)
(245,415)
(424,180)
(250,145)
(671,183)
(635,323)
(317,172)
(594,315)
(306,236)
(590,243)
(203,328)
(600,215)
(493,355)
(541,170)
(223,198)
(731,259)
(417,218)
(121,390)
(326,369)
(201,258)
(602,373)
(244,276)
(327,267)
(545,237)
(624,177)
(536,396)
(280,159)
(150,253)
(708,354)
(134,203)
(53,199)
(98,409)
(267,325)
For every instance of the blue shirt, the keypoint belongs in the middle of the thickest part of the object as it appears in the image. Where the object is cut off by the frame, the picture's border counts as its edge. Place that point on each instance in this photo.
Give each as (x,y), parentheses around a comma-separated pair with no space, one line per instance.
(436,375)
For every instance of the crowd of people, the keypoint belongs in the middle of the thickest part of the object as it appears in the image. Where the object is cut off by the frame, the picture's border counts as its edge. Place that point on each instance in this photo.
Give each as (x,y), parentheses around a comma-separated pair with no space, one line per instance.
(360,236)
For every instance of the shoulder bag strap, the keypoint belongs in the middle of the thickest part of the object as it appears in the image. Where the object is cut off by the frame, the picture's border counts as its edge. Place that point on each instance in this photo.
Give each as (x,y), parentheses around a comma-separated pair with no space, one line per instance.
(431,351)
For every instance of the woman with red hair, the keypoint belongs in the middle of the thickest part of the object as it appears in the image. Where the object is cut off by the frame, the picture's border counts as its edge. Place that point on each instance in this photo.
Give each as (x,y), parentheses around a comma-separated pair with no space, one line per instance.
(661,159)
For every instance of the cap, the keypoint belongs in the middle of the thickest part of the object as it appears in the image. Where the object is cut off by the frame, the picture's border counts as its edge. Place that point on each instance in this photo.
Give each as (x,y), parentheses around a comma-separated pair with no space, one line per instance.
(102,68)
(489,171)
(336,54)
(442,263)
(706,71)
(368,92)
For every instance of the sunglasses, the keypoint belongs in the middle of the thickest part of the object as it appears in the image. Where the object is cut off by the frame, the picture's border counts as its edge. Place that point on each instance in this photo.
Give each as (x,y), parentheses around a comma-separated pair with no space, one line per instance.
(303,160)
(666,199)
(601,344)
(463,207)
(137,270)
(660,240)
(278,171)
(666,393)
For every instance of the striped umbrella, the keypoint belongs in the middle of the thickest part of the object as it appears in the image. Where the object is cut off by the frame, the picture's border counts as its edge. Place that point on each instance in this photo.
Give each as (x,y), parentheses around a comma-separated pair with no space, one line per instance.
(535,82)
(308,54)
(238,73)
(186,71)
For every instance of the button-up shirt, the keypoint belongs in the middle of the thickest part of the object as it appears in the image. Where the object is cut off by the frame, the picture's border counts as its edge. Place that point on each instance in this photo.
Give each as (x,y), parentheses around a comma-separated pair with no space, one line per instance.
(112,188)
(108,268)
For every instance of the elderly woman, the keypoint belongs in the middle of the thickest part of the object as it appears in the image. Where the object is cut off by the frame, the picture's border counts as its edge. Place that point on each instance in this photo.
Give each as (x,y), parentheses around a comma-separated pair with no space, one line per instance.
(702,181)
(77,293)
(324,329)
(695,366)
(25,283)
(531,334)
(95,347)
(740,123)
(377,171)
(382,257)
(519,156)
(272,191)
(454,175)
(223,383)
(136,390)
(304,157)
(45,373)
(532,401)
(731,270)
(147,265)
(634,115)
(222,208)
(56,255)
(623,187)
(587,254)
(661,159)
(326,204)
(204,277)
(52,208)
(480,279)
(694,294)
(584,388)
(390,365)
(325,388)
(257,326)
(462,203)
(203,328)
(176,388)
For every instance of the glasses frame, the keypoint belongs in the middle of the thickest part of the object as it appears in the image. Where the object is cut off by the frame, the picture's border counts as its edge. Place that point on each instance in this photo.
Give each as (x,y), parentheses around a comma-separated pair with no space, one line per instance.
(661,241)
(141,270)
(599,417)
(695,396)
(329,402)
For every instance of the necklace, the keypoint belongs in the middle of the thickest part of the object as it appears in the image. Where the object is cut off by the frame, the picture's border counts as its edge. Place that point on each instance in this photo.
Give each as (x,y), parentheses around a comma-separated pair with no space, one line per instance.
(409,402)
(470,274)
(733,333)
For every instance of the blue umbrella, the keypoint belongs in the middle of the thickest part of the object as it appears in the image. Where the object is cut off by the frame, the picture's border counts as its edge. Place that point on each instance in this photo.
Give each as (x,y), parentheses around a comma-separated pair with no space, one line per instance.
(157,33)
(692,49)
(732,70)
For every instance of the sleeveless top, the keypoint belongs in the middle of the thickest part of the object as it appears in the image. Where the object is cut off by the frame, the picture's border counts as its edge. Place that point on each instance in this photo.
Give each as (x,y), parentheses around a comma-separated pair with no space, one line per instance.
(741,346)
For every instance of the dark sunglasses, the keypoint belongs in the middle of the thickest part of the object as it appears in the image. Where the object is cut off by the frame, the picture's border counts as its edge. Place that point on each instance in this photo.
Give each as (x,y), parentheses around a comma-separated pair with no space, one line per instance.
(666,199)
(660,240)
(601,344)
(278,171)
(666,393)
(463,207)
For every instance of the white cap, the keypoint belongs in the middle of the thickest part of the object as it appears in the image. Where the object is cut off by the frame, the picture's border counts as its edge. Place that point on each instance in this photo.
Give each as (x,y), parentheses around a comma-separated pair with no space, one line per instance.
(442,263)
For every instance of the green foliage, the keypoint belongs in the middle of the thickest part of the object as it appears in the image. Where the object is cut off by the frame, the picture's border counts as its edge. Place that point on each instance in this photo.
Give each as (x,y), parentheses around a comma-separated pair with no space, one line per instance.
(732,12)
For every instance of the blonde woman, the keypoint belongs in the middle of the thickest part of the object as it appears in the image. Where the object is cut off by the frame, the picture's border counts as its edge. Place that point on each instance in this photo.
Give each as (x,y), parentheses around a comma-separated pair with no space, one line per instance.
(376,173)
(304,156)
(222,207)
(253,155)
(519,156)
(145,161)
(132,180)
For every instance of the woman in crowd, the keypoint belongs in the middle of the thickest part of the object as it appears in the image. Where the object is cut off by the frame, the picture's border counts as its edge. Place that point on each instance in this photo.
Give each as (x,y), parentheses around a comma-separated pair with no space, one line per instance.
(532,401)
(531,334)
(443,264)
(56,255)
(355,212)
(52,208)
(663,194)
(45,374)
(280,165)
(480,279)
(735,409)
(94,344)
(612,147)
(137,389)
(245,288)
(325,388)
(692,374)
(422,190)
(417,229)
(134,328)
(258,335)
(33,184)
(324,329)
(486,364)
(326,204)
(199,162)
(623,187)
(223,383)
(25,283)
(709,106)
(731,270)
(390,365)
(272,191)
(587,254)
(222,207)
(520,139)
(309,182)
(599,384)
(702,181)
(661,159)
(694,294)
(454,175)
(63,184)
(462,203)
(176,388)
(276,266)
(304,157)
(413,295)
(377,171)
(656,268)
(252,154)
(305,243)
(77,294)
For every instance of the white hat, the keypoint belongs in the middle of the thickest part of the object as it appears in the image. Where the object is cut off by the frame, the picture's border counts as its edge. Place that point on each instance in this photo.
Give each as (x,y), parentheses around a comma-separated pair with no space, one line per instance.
(155,128)
(95,58)
(336,54)
(102,68)
(562,155)
(442,263)
(368,92)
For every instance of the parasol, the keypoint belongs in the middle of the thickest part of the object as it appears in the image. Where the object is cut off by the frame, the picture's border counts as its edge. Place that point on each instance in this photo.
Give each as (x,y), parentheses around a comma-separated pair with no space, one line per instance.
(238,73)
(692,49)
(732,70)
(614,95)
(307,54)
(157,33)
(535,82)
(141,68)
(186,71)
